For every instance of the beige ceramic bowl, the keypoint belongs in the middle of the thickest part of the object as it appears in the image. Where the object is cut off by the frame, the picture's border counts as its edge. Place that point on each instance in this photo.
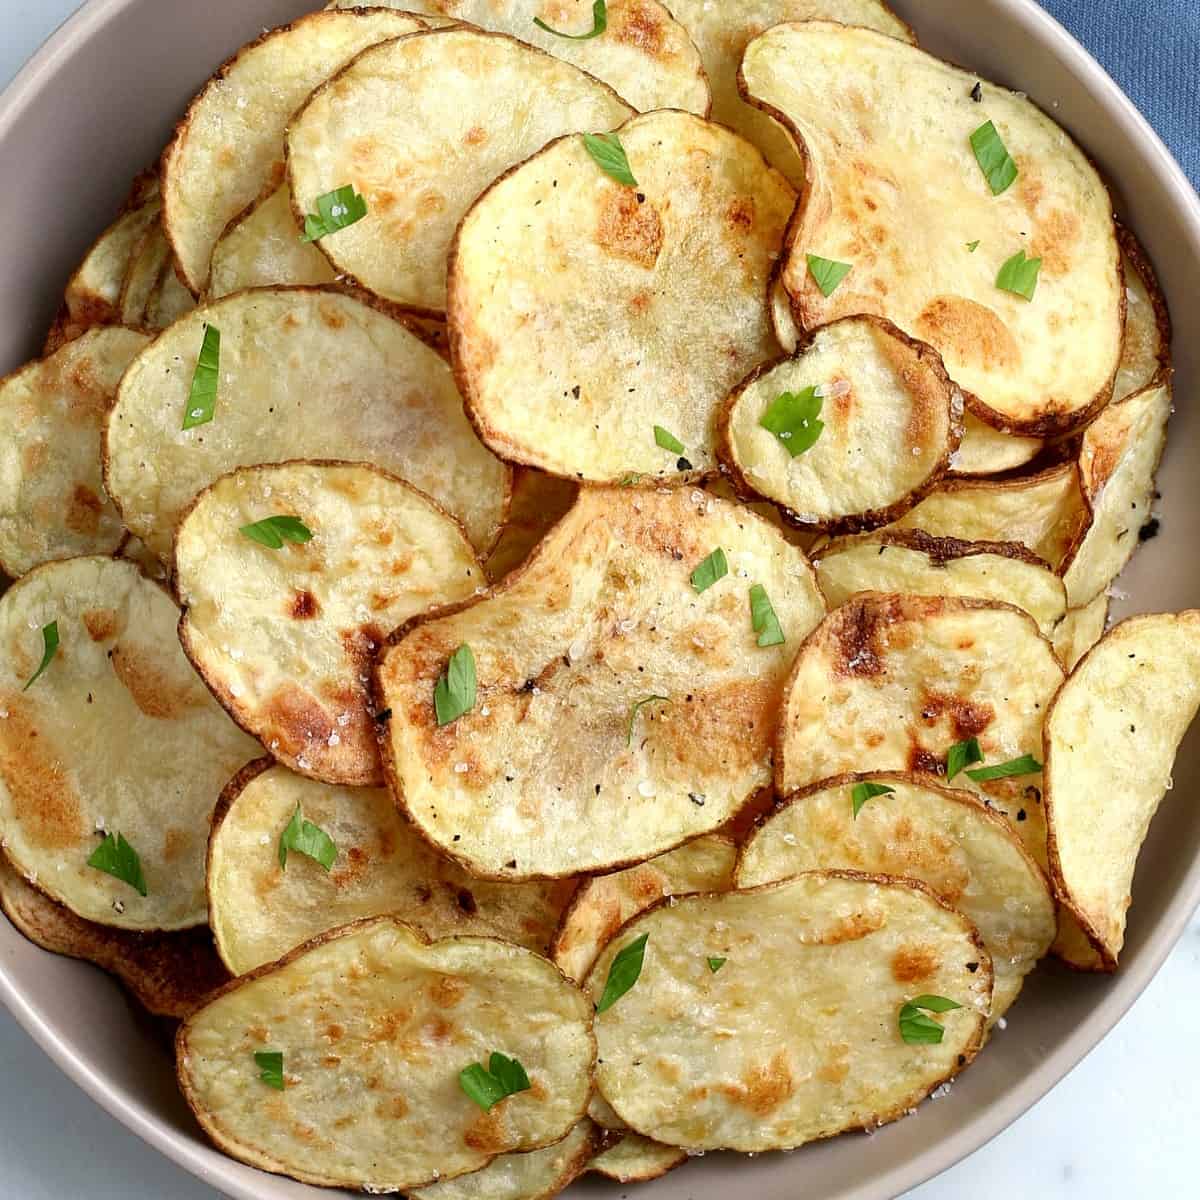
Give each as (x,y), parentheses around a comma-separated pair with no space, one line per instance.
(97,103)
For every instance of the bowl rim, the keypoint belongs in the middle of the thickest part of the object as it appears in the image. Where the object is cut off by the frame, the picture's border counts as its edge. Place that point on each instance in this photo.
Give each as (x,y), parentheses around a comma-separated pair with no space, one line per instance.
(215,1169)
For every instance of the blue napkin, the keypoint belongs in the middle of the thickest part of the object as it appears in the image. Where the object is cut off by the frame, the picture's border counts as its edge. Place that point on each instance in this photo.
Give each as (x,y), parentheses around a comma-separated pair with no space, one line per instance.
(1152,49)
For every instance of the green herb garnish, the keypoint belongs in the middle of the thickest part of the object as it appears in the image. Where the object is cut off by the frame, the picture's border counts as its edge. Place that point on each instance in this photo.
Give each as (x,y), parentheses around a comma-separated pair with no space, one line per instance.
(487,1086)
(272,532)
(335,210)
(306,838)
(862,792)
(993,158)
(792,418)
(916,1028)
(609,155)
(116,857)
(624,972)
(715,964)
(455,690)
(599,24)
(49,650)
(638,705)
(270,1067)
(763,619)
(972,247)
(1025,765)
(827,273)
(962,754)
(668,441)
(714,567)
(202,400)
(1019,275)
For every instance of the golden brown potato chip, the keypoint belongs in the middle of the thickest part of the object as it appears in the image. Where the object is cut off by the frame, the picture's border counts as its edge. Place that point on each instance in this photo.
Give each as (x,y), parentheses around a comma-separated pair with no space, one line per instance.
(1111,738)
(539,501)
(169,300)
(944,837)
(52,501)
(585,313)
(377,1025)
(891,683)
(146,265)
(259,910)
(608,682)
(304,373)
(134,550)
(879,119)
(635,1159)
(1080,630)
(116,735)
(796,1036)
(1147,349)
(457,107)
(986,451)
(783,323)
(284,634)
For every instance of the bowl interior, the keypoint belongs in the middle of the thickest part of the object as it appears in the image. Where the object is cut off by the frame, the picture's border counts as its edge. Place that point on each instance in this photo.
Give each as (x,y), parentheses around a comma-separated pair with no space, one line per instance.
(98,104)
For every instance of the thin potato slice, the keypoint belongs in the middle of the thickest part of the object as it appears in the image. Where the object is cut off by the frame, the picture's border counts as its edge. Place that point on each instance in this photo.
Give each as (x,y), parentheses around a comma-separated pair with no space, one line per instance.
(1117,463)
(117,735)
(796,1037)
(169,301)
(986,451)
(52,501)
(890,683)
(170,974)
(304,373)
(635,1159)
(879,119)
(891,420)
(539,501)
(285,637)
(1111,738)
(944,837)
(569,650)
(375,1024)
(583,313)
(231,139)
(134,550)
(150,257)
(458,107)
(1147,348)
(912,562)
(644,55)
(783,323)
(259,911)
(1080,630)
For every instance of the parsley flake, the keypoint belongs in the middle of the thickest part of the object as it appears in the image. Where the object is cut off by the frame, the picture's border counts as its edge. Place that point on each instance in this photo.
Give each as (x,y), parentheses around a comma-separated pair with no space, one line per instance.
(487,1086)
(49,650)
(792,418)
(116,857)
(609,155)
(455,690)
(638,705)
(335,210)
(862,792)
(962,754)
(714,567)
(916,1028)
(202,399)
(599,24)
(270,1067)
(715,964)
(993,158)
(1025,765)
(272,532)
(306,838)
(827,272)
(1019,275)
(624,972)
(972,247)
(763,619)
(668,441)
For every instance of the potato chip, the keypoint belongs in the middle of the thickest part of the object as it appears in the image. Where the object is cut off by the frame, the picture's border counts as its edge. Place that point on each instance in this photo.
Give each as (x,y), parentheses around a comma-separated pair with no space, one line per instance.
(304,373)
(259,910)
(635,1159)
(1111,738)
(611,679)
(230,141)
(879,119)
(134,550)
(114,735)
(457,108)
(170,974)
(986,451)
(146,265)
(52,502)
(1147,349)
(374,1025)
(169,300)
(644,55)
(1117,462)
(944,837)
(796,1036)
(584,314)
(284,633)
(538,502)
(911,562)
(891,683)
(783,324)
(1080,630)
(849,432)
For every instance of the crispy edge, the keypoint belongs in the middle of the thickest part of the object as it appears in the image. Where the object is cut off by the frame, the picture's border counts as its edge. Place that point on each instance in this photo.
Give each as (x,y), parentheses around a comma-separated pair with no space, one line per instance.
(1135,252)
(939,550)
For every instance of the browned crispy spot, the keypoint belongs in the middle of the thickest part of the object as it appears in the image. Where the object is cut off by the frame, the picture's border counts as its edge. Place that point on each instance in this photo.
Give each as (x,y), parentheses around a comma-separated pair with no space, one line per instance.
(101,623)
(967,718)
(334,1032)
(43,800)
(739,216)
(331,316)
(475,136)
(922,760)
(84,510)
(1054,241)
(627,229)
(486,1133)
(386,1025)
(911,964)
(852,927)
(356,863)
(647,884)
(641,28)
(396,1108)
(446,991)
(968,332)
(859,651)
(175,843)
(764,1087)
(151,688)
(836,1066)
(294,717)
(304,606)
(34,456)
(727,728)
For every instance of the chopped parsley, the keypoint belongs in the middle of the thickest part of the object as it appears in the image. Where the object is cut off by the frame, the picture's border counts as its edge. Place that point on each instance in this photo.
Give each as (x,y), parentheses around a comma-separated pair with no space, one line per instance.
(270,1067)
(609,155)
(792,418)
(916,1028)
(599,24)
(714,567)
(335,210)
(827,272)
(487,1086)
(962,754)
(715,964)
(624,972)
(862,792)
(455,690)
(202,399)
(1025,765)
(993,158)
(1019,275)
(763,619)
(668,441)
(638,705)
(306,838)
(272,532)
(49,650)
(116,857)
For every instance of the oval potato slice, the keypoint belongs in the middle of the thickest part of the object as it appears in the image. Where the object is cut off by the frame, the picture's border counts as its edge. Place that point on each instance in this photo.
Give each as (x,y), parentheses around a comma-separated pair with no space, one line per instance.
(285,637)
(117,735)
(796,1037)
(944,837)
(149,259)
(231,138)
(1147,348)
(52,501)
(169,301)
(783,324)
(304,373)
(1080,630)
(635,1159)
(582,316)
(986,451)
(259,911)
(539,501)
(644,54)
(569,651)
(912,562)
(890,418)
(378,1023)
(890,683)
(457,107)
(878,120)
(1111,738)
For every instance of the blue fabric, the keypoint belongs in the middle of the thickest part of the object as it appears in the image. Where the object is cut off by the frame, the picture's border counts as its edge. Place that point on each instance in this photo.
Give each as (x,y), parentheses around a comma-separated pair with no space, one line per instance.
(1152,49)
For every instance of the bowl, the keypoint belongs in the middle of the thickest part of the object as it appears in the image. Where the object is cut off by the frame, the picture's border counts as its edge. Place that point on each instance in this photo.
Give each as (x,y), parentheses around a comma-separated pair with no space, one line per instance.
(97,103)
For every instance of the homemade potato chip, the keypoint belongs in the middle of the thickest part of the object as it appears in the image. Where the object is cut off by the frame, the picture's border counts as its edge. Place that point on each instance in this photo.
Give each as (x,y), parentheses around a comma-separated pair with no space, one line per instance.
(538,502)
(879,119)
(849,432)
(986,451)
(169,301)
(796,1036)
(586,314)
(911,562)
(231,138)
(52,502)
(304,373)
(783,324)
(1080,630)
(115,735)
(170,974)
(912,827)
(1147,348)
(376,1026)
(259,910)
(457,107)
(620,671)
(892,683)
(288,649)
(645,55)
(148,261)
(1111,738)
(635,1159)
(1117,462)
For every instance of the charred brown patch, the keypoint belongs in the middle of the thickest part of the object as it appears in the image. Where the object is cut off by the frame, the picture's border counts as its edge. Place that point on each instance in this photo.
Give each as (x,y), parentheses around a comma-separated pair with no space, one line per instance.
(331,316)
(911,964)
(859,644)
(763,1088)
(647,884)
(725,729)
(101,624)
(357,862)
(465,899)
(303,606)
(739,216)
(84,510)
(852,927)
(151,688)
(446,991)
(924,761)
(967,718)
(486,1133)
(360,646)
(627,229)
(43,800)
(969,332)
(296,718)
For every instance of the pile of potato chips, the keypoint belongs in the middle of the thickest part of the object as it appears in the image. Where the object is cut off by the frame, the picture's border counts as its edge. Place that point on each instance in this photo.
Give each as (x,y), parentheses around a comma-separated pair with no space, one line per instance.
(560,558)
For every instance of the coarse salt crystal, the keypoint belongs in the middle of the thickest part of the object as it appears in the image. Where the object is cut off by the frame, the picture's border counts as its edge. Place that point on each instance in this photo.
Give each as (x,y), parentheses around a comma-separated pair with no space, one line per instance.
(334,739)
(344,719)
(461,768)
(646,788)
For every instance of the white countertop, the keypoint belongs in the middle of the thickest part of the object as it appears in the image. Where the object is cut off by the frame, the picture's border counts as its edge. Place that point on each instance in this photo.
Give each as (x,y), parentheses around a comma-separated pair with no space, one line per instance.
(1119,1127)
